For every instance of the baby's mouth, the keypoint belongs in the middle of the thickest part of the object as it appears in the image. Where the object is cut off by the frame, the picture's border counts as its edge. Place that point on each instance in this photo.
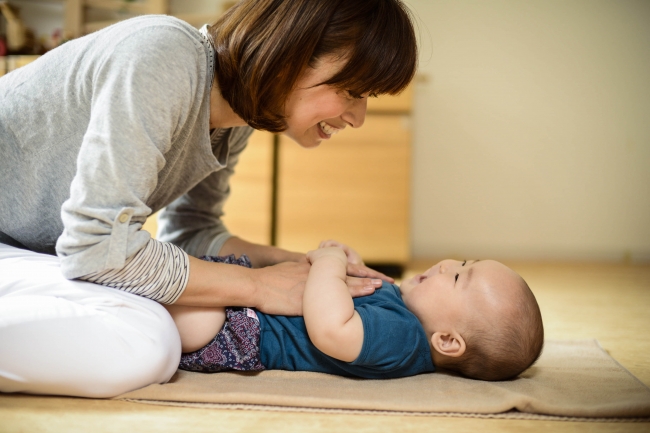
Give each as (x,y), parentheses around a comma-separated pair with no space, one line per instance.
(328,129)
(419,278)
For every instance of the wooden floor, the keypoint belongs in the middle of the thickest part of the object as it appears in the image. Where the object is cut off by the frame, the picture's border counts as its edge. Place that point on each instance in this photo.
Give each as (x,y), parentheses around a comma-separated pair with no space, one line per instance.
(606,302)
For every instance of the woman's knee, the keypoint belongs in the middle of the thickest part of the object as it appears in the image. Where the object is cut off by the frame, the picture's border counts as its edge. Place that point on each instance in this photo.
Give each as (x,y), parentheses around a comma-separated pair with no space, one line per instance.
(153,357)
(76,338)
(87,354)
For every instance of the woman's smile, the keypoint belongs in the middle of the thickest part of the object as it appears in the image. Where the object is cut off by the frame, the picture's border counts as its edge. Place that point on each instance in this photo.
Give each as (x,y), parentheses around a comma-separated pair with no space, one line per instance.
(327,129)
(317,111)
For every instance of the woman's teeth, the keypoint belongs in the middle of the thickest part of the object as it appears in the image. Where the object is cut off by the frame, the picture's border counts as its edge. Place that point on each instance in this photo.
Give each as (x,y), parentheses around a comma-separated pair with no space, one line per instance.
(327,129)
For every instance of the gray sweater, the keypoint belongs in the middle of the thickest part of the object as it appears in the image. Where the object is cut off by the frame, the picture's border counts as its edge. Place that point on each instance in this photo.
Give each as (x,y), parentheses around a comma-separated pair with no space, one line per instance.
(107,129)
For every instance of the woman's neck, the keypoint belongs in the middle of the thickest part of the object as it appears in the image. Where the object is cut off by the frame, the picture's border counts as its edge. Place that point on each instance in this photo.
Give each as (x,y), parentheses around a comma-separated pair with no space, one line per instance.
(221,114)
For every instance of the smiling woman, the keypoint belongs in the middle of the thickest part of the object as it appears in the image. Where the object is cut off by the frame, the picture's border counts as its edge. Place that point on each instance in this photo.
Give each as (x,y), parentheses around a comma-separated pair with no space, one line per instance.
(152,115)
(264,46)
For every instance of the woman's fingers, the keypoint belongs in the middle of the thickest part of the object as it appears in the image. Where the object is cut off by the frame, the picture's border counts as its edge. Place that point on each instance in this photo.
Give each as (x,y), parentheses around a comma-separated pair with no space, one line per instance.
(280,287)
(362,286)
(364,271)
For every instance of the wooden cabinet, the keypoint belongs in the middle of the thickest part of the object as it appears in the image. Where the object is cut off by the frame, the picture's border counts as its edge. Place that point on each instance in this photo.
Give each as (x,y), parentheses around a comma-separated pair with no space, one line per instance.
(353,188)
(248,211)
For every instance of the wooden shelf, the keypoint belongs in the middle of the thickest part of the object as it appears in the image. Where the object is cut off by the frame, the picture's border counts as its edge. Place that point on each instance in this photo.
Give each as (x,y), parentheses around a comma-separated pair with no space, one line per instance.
(121,6)
(247,213)
(353,188)
(75,24)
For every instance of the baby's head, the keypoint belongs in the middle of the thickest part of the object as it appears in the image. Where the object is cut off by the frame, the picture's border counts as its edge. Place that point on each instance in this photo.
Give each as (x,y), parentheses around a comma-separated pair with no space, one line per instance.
(481,318)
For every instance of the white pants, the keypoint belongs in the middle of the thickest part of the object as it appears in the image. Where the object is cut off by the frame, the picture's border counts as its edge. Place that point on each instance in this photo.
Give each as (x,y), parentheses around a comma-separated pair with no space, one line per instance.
(76,338)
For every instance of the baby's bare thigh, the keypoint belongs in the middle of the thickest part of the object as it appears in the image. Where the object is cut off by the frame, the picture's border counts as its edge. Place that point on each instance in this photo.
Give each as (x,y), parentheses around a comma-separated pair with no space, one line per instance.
(197,326)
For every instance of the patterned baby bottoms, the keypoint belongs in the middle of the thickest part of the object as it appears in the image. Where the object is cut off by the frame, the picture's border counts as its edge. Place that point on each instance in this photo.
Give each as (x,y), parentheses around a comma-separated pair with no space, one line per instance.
(237,345)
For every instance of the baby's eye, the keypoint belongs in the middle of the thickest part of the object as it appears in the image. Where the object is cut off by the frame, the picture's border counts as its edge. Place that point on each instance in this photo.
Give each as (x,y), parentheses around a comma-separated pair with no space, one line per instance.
(456,278)
(464,261)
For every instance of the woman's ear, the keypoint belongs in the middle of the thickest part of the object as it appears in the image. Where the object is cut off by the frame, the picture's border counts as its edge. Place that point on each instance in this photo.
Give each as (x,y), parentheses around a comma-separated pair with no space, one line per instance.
(448,344)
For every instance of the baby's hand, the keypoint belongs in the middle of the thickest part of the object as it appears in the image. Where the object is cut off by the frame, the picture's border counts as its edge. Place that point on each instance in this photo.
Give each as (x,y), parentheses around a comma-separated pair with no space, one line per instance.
(356,267)
(352,256)
(337,252)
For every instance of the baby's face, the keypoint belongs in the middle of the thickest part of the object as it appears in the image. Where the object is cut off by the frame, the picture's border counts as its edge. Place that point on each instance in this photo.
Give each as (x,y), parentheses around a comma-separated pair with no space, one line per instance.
(448,294)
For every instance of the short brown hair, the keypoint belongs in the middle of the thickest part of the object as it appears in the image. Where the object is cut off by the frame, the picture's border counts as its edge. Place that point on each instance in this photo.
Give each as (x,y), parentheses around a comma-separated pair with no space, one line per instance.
(503,351)
(263,46)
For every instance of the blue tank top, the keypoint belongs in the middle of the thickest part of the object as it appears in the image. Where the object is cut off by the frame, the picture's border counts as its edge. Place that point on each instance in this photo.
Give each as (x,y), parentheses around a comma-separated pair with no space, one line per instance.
(394,342)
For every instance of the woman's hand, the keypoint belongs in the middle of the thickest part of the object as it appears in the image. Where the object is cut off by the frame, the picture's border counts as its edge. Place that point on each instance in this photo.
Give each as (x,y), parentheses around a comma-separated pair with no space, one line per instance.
(279,288)
(356,266)
(275,289)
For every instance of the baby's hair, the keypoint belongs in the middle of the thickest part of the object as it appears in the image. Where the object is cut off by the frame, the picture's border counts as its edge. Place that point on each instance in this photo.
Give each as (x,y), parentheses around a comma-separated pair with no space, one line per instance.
(502,351)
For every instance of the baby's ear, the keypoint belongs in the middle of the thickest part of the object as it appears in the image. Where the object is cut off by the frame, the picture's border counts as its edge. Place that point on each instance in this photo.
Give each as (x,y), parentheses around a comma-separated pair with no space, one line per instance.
(448,344)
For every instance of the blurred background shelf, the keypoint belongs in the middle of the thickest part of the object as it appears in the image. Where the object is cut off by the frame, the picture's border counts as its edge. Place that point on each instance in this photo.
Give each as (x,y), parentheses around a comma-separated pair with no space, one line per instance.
(75,18)
(86,16)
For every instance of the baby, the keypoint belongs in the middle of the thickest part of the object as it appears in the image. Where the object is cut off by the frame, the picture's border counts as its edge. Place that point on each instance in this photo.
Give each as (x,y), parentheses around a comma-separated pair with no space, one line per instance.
(478,318)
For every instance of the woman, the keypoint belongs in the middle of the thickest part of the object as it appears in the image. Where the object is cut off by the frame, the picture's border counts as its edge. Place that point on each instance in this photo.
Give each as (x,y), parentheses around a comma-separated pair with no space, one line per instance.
(152,114)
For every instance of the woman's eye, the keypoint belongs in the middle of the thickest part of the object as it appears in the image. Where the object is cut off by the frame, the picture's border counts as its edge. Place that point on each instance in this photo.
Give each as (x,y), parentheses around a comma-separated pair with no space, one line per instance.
(353,95)
(456,278)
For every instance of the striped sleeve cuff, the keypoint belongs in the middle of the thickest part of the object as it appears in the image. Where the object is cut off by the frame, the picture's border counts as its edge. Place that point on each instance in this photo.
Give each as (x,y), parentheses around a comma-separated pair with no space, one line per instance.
(159,271)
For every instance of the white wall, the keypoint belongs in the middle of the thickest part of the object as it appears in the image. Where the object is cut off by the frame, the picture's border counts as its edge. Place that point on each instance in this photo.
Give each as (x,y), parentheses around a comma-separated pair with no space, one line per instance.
(532,130)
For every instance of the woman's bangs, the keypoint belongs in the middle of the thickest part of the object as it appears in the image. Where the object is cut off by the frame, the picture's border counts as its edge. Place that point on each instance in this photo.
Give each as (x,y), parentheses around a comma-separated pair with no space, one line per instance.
(384,57)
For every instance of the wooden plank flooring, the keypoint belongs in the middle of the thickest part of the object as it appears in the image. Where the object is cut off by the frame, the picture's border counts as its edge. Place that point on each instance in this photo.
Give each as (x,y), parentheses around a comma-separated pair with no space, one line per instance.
(606,302)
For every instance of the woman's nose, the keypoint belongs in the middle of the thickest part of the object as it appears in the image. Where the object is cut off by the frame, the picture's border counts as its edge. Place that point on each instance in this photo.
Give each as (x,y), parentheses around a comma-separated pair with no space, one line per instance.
(355,115)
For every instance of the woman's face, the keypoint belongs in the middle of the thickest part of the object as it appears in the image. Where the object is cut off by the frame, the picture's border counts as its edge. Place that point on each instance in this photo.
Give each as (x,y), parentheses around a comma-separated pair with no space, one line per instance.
(316,112)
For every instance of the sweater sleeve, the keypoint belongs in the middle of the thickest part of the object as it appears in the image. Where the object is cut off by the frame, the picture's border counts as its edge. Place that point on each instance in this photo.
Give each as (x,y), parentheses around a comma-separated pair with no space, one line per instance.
(141,96)
(193,221)
(159,271)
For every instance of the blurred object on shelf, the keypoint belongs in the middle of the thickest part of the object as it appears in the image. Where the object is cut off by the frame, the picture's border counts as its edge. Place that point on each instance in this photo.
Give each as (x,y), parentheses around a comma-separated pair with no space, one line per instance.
(20,40)
(53,41)
(15,62)
(57,38)
(3,46)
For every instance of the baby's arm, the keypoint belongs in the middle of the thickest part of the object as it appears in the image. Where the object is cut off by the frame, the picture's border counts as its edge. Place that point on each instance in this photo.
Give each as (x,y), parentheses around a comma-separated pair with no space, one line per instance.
(197,326)
(333,325)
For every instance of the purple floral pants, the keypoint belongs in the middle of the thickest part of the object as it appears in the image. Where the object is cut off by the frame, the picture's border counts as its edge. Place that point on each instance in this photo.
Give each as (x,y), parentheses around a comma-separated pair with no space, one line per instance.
(237,345)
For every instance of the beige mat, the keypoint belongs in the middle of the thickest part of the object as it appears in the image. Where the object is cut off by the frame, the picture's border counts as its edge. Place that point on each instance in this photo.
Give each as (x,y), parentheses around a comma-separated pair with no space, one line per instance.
(571,379)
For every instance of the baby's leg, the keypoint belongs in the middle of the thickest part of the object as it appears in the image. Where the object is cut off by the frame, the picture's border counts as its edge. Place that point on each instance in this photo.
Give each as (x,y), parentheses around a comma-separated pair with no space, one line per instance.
(197,326)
